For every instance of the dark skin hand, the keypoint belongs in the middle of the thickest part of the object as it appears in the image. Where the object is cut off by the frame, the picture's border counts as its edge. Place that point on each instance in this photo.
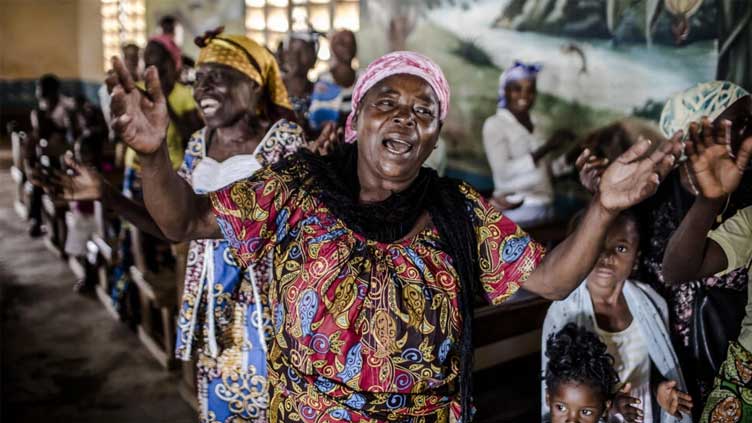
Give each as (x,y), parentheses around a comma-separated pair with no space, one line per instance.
(674,401)
(590,168)
(232,120)
(84,183)
(717,173)
(397,126)
(627,405)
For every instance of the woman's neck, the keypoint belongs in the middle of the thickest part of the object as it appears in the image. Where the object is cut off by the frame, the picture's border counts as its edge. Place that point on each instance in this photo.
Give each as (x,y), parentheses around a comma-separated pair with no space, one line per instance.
(343,73)
(241,137)
(298,85)
(524,119)
(606,295)
(374,189)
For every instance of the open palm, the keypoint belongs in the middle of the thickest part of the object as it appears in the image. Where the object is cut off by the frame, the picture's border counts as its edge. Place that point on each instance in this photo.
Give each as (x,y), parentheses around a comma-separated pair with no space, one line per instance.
(84,183)
(635,175)
(139,117)
(715,171)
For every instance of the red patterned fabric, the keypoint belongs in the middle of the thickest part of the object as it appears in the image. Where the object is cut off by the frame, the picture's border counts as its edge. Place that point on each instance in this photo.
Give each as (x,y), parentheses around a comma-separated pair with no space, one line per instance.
(363,331)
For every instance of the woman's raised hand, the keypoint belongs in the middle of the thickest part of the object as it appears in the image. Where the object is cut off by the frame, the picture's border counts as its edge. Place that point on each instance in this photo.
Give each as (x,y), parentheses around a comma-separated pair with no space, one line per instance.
(635,175)
(590,168)
(715,170)
(79,183)
(139,117)
(328,139)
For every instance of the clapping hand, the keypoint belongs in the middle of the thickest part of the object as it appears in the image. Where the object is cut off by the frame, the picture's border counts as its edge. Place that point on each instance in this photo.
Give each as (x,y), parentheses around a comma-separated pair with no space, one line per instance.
(590,168)
(716,171)
(327,140)
(79,183)
(627,405)
(139,117)
(635,175)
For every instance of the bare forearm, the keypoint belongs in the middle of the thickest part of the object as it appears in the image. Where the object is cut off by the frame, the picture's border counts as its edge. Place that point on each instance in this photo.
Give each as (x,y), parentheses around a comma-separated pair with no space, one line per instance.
(132,211)
(180,213)
(685,252)
(567,265)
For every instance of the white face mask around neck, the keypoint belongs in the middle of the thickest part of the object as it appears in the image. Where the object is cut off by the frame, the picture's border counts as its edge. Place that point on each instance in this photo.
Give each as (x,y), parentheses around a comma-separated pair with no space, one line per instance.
(211,175)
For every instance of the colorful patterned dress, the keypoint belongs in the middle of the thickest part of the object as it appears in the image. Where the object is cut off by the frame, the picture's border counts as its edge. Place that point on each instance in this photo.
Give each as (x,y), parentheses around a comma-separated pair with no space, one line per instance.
(224,316)
(364,331)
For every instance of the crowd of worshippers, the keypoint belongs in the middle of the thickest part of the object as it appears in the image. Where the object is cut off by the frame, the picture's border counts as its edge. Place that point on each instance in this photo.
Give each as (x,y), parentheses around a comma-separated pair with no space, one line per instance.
(332,275)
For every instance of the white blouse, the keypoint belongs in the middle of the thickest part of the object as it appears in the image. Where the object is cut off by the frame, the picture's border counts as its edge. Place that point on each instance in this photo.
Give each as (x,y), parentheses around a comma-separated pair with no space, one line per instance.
(632,362)
(508,147)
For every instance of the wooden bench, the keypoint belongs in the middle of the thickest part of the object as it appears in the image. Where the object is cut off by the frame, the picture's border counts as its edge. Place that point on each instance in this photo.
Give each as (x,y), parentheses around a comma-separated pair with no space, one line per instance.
(156,330)
(157,293)
(102,255)
(508,331)
(22,186)
(53,217)
(507,341)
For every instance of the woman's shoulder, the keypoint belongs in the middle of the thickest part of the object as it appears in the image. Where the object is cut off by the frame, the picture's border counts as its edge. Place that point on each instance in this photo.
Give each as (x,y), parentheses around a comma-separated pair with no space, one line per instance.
(284,126)
(281,140)
(285,130)
(648,290)
(481,210)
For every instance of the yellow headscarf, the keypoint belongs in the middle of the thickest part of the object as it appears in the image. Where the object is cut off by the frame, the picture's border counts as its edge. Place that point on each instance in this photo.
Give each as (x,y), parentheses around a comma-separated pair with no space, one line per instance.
(247,56)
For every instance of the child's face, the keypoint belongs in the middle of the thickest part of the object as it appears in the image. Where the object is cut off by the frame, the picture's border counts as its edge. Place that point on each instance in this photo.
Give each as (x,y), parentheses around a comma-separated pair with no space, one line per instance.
(573,402)
(618,254)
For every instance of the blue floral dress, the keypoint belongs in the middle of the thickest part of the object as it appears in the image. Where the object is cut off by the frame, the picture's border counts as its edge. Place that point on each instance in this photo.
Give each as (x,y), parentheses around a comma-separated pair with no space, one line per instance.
(224,317)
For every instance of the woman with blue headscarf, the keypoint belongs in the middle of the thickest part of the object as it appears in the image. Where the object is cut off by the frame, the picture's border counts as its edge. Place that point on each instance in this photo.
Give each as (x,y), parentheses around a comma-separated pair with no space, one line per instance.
(522,184)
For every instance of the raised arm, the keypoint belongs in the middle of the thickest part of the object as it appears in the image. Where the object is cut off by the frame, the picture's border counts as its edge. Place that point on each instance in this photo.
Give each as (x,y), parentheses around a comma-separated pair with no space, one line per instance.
(84,183)
(633,177)
(690,254)
(141,119)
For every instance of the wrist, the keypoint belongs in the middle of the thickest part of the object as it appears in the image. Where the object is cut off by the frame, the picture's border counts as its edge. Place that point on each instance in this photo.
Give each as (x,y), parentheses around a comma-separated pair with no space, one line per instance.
(601,210)
(710,205)
(155,159)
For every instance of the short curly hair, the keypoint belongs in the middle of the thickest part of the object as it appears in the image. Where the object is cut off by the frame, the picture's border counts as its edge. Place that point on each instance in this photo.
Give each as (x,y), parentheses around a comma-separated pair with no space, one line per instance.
(578,355)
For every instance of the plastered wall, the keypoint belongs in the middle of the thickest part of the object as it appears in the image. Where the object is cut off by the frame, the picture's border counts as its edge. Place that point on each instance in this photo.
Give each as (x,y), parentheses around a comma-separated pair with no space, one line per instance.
(50,36)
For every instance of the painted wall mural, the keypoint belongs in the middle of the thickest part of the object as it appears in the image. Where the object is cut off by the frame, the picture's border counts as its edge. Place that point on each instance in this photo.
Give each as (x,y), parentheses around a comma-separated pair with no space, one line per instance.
(602,59)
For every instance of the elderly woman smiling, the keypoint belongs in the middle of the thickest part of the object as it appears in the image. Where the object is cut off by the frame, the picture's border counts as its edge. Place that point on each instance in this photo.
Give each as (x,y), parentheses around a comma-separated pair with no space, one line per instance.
(376,257)
(223,316)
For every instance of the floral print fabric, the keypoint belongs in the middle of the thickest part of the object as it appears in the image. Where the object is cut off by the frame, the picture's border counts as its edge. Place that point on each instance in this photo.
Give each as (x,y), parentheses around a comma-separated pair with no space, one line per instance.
(219,318)
(363,331)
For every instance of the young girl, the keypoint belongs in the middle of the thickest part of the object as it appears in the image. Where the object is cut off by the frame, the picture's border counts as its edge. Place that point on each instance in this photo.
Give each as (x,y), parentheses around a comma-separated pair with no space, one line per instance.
(631,319)
(580,376)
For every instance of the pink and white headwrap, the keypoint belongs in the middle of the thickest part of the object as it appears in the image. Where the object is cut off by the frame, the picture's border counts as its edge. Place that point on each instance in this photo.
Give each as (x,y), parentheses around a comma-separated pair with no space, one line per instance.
(395,63)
